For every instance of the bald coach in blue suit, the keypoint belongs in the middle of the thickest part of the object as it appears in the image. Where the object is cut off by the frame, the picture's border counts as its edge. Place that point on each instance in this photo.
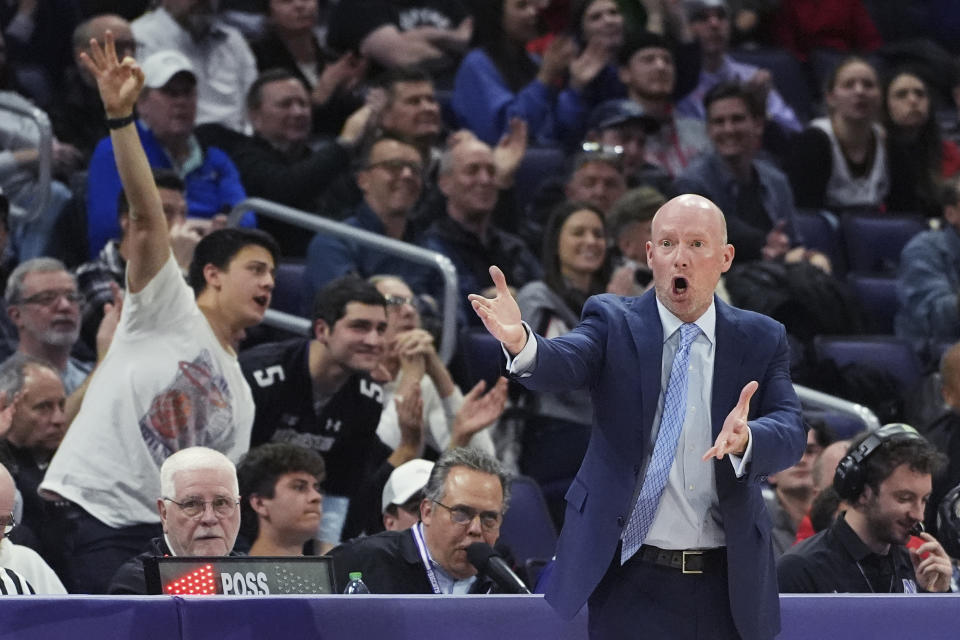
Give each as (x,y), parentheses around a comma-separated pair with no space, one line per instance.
(666,534)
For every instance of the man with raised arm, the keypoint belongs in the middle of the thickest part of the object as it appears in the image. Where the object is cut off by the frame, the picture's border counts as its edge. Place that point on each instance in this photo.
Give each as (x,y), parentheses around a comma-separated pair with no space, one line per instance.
(170,379)
(660,533)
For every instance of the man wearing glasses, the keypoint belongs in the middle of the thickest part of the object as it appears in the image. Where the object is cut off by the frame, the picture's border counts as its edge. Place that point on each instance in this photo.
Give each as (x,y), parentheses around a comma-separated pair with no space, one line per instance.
(44,304)
(199,509)
(464,502)
(391,179)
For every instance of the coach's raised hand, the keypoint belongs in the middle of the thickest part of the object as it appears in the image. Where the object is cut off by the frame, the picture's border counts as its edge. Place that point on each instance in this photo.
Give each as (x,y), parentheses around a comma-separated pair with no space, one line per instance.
(501,315)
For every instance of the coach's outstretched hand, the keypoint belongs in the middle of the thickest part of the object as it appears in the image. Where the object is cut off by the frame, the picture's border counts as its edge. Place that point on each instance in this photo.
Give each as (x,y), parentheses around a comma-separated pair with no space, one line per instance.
(501,314)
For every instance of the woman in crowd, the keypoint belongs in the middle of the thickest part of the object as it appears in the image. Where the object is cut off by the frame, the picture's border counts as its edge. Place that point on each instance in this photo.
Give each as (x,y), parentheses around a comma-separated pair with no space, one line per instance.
(413,366)
(290,42)
(840,162)
(500,80)
(575,267)
(918,155)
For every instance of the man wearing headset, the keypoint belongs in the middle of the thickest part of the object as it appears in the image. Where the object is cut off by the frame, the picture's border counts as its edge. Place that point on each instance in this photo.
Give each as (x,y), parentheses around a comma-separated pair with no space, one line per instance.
(886,478)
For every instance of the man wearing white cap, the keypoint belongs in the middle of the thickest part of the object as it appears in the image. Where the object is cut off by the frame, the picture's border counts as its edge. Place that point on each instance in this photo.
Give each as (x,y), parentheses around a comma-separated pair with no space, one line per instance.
(167,111)
(221,58)
(403,494)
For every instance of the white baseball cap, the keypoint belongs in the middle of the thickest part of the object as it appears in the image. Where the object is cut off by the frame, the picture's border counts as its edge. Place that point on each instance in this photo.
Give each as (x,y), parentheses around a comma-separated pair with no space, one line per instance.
(405,481)
(159,67)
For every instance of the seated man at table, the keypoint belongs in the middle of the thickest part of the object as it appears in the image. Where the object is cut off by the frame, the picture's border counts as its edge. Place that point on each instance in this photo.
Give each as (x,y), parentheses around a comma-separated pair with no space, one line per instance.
(282,502)
(199,510)
(885,478)
(465,498)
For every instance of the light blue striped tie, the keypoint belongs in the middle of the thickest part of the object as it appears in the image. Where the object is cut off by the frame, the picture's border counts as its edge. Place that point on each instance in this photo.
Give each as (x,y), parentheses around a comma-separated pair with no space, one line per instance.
(665,449)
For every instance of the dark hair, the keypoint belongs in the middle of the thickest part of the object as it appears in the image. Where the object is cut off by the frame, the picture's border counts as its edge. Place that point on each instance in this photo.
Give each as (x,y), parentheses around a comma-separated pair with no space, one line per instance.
(163,178)
(389,79)
(330,303)
(641,40)
(581,159)
(261,467)
(916,452)
(511,59)
(472,459)
(552,274)
(255,92)
(823,511)
(915,157)
(725,90)
(822,432)
(362,159)
(639,204)
(219,248)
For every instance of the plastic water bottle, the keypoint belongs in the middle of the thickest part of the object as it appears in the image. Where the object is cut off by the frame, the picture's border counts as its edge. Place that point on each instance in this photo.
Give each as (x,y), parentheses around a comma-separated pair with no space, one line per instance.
(356,584)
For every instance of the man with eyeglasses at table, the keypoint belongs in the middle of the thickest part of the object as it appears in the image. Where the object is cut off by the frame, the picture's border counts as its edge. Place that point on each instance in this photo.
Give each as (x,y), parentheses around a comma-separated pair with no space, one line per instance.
(464,502)
(199,509)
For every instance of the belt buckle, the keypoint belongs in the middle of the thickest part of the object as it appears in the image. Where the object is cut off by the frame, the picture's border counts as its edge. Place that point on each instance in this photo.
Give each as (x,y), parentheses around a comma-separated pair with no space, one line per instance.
(683,564)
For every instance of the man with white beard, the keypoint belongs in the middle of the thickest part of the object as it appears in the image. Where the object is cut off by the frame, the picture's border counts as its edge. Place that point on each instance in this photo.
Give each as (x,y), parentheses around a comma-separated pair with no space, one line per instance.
(44,304)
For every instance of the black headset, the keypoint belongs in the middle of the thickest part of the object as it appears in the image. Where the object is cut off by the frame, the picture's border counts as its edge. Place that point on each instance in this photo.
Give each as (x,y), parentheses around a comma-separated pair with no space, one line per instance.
(850,476)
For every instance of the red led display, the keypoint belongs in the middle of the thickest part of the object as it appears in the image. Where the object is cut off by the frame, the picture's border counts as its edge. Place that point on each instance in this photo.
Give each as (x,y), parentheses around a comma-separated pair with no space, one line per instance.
(198,582)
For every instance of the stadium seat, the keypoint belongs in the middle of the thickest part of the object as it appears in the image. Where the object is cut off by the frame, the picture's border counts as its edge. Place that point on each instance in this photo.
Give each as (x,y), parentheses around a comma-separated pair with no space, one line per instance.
(527,527)
(843,425)
(537,165)
(888,354)
(288,289)
(820,232)
(873,242)
(877,296)
(481,357)
(789,77)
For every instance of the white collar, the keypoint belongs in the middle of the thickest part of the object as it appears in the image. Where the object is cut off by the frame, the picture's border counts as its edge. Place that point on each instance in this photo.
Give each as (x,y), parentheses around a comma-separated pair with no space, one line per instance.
(707,322)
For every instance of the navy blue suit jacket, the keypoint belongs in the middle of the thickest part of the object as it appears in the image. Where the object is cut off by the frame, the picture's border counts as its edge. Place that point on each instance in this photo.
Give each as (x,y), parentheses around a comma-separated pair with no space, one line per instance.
(616,352)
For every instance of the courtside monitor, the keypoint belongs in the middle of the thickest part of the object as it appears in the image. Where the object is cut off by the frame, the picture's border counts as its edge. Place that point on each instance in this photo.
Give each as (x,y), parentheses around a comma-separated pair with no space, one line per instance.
(239,575)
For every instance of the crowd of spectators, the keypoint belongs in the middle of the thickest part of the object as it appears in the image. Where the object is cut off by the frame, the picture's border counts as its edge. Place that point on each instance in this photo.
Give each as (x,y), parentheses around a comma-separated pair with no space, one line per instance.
(419,121)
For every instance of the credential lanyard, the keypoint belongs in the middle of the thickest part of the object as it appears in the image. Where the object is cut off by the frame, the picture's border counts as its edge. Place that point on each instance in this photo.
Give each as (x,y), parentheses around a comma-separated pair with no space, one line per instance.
(417,531)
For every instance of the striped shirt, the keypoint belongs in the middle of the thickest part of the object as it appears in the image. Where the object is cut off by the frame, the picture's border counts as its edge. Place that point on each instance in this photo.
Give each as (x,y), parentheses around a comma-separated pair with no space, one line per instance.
(13,584)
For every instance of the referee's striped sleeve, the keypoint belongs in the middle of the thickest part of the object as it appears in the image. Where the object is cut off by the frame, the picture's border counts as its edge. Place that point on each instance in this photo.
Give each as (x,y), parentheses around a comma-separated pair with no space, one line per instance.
(13,584)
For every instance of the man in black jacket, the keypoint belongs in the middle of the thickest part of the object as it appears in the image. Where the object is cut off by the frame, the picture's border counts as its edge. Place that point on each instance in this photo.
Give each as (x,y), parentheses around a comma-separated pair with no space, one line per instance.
(199,509)
(465,499)
(278,164)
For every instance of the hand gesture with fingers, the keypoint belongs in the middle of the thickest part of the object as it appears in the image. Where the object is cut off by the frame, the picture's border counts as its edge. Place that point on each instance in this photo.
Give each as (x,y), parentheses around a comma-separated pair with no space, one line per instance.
(509,152)
(410,416)
(119,81)
(931,565)
(478,411)
(734,435)
(501,314)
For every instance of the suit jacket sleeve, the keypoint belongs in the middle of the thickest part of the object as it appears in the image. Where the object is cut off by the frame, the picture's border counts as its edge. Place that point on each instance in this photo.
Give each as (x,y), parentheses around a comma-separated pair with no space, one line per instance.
(778,433)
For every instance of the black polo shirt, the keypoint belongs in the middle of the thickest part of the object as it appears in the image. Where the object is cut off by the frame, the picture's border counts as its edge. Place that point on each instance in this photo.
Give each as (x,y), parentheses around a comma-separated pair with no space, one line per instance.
(837,561)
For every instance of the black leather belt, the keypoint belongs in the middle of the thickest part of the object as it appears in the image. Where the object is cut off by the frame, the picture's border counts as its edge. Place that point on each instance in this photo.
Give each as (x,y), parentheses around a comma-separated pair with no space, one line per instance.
(687,561)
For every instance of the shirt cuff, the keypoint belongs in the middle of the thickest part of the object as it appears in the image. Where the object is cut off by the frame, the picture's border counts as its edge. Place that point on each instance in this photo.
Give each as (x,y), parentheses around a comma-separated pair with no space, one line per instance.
(522,364)
(740,462)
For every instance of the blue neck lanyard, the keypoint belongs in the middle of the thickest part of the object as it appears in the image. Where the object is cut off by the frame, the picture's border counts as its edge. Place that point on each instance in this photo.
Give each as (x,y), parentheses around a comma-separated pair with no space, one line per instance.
(417,531)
